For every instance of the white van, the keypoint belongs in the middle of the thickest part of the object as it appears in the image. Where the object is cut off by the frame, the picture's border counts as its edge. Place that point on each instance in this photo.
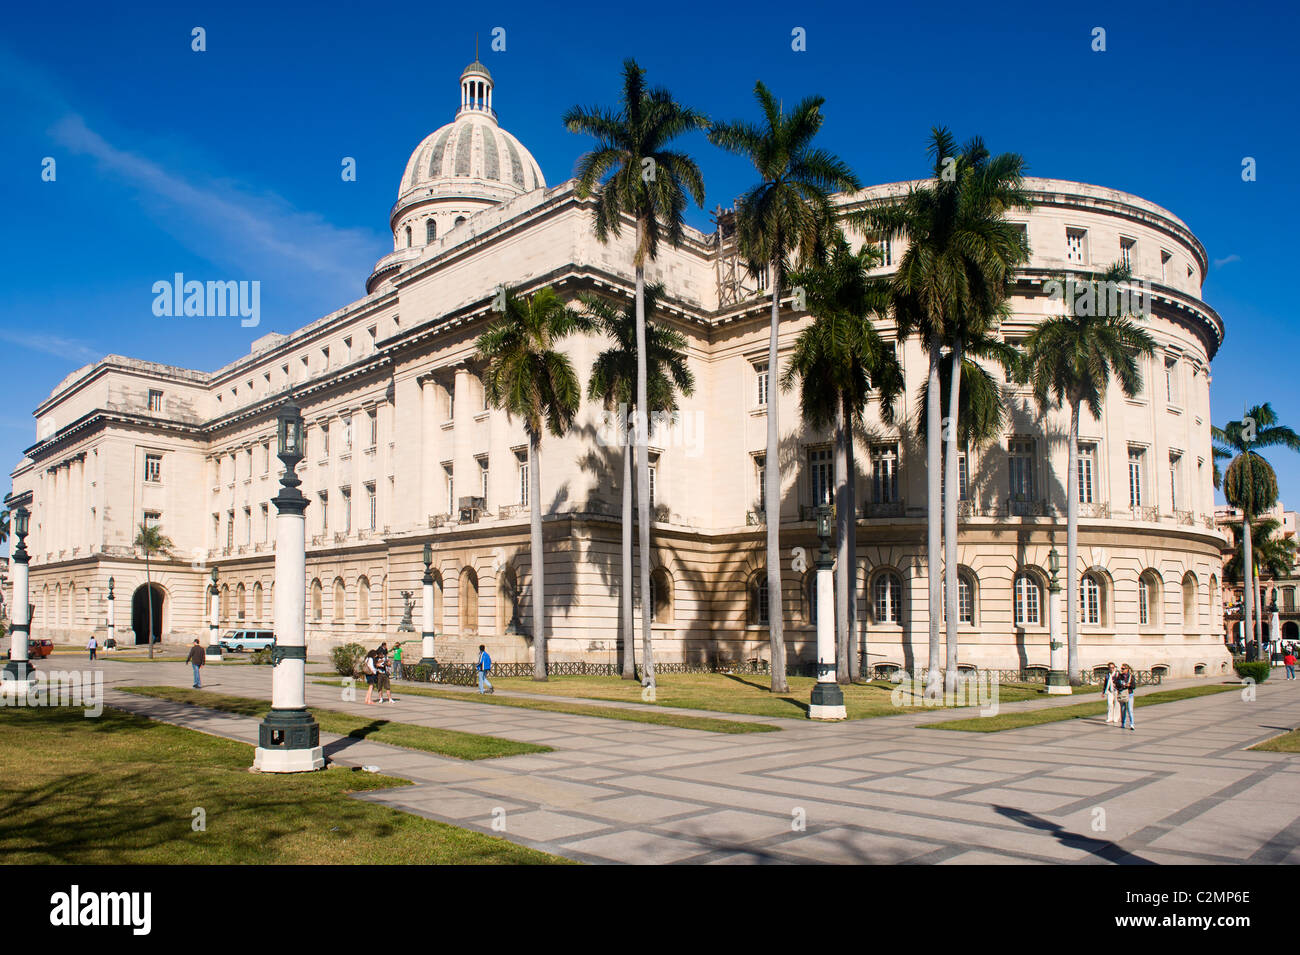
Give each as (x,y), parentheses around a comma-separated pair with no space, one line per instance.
(240,640)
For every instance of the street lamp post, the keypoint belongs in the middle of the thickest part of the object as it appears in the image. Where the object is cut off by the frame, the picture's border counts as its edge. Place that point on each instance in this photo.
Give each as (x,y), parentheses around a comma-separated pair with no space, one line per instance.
(288,741)
(111,642)
(19,668)
(213,654)
(827,701)
(1058,678)
(426,648)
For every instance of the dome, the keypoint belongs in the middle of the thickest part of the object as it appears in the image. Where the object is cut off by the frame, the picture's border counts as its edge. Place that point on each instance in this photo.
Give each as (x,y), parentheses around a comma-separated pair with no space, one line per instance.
(472,156)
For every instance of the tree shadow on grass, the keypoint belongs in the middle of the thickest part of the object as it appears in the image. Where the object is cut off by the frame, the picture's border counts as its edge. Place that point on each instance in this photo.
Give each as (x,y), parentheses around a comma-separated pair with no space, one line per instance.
(766,688)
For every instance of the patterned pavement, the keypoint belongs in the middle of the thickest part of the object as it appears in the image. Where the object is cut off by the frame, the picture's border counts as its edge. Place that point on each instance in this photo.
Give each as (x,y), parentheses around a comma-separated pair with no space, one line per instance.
(1182,789)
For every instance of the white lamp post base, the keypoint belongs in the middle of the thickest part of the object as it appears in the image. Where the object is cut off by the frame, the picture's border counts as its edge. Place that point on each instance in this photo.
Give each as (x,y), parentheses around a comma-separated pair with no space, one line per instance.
(288,760)
(213,655)
(1059,690)
(820,712)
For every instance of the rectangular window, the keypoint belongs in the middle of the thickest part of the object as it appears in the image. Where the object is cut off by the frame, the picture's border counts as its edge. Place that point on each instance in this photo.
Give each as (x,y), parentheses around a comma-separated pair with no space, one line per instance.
(1165,257)
(962,487)
(230,529)
(325,440)
(248,526)
(761,280)
(1126,247)
(884,473)
(760,386)
(451,490)
(1175,462)
(483,478)
(1171,381)
(1026,601)
(266,458)
(153,468)
(760,480)
(821,477)
(1076,241)
(155,400)
(266,522)
(372,510)
(346,494)
(372,418)
(1136,459)
(1087,468)
(653,467)
(1020,461)
(1144,603)
(324,512)
(522,464)
(886,249)
(347,433)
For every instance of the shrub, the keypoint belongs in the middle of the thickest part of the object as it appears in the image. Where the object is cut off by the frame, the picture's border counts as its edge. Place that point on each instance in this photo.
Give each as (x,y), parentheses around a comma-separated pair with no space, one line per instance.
(1257,670)
(261,657)
(347,659)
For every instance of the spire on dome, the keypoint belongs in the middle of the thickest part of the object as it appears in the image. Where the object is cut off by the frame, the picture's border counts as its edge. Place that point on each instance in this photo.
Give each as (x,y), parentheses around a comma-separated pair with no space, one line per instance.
(476,87)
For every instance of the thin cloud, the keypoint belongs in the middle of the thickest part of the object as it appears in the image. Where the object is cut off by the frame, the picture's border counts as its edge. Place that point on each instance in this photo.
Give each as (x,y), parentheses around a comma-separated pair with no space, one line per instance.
(227,223)
(48,344)
(1227,260)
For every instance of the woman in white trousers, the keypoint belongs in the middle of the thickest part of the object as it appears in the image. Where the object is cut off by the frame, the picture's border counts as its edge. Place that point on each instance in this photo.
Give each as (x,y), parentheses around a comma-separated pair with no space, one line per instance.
(1112,695)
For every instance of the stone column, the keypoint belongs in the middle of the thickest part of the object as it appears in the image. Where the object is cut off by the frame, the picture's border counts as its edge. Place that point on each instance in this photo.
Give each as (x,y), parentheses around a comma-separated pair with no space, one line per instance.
(214,640)
(428,449)
(1058,678)
(827,701)
(465,468)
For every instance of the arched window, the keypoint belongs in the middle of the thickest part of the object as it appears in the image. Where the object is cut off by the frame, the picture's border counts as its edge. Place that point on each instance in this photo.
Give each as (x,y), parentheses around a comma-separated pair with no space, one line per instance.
(58,604)
(758,596)
(1214,598)
(1028,600)
(363,598)
(966,598)
(340,600)
(239,603)
(661,596)
(1092,596)
(468,597)
(225,601)
(316,610)
(430,231)
(257,601)
(408,236)
(438,623)
(459,220)
(1189,601)
(1149,599)
(887,597)
(72,604)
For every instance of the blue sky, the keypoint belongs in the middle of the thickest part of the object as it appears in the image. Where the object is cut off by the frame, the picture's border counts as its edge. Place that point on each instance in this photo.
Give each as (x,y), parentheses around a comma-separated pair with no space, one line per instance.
(226,164)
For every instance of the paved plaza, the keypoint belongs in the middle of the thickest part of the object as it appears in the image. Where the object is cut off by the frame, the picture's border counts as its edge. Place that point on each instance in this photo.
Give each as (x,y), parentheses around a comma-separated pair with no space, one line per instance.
(1182,789)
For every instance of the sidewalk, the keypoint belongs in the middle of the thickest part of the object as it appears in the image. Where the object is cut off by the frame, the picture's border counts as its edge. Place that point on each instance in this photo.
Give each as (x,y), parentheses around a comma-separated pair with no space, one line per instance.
(1181,789)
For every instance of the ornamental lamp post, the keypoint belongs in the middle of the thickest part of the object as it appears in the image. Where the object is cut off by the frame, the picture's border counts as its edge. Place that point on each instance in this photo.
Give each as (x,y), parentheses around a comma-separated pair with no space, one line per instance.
(426,643)
(827,702)
(1058,677)
(288,741)
(111,642)
(19,668)
(213,654)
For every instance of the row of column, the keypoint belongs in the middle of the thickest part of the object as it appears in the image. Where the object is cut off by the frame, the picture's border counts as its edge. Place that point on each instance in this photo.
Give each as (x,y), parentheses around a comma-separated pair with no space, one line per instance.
(476,94)
(65,508)
(461,446)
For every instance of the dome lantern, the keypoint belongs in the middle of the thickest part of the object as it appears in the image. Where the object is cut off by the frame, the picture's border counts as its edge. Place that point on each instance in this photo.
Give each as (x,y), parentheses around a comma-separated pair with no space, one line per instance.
(476,89)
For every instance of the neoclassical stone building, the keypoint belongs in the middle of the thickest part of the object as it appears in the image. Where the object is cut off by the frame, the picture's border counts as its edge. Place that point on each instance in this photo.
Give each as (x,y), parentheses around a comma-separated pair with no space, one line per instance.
(402,450)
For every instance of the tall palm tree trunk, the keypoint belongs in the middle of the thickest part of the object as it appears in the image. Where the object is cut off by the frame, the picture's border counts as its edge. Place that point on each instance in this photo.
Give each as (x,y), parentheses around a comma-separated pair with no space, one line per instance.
(643,472)
(843,518)
(950,516)
(933,527)
(625,597)
(538,558)
(1247,579)
(772,493)
(851,534)
(148,594)
(1072,550)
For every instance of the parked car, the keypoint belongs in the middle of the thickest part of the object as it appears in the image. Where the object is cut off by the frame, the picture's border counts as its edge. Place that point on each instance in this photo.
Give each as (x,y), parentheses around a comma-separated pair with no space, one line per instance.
(241,640)
(36,649)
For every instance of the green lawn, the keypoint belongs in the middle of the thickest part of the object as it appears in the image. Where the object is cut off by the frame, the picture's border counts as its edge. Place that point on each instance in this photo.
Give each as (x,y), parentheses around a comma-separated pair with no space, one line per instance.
(1286,743)
(735,693)
(1055,714)
(122,790)
(409,735)
(682,721)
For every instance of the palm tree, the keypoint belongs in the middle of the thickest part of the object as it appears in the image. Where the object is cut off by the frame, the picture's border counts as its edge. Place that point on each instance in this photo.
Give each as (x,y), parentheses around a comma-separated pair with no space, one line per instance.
(951,286)
(1271,555)
(633,172)
(531,380)
(836,362)
(787,215)
(613,383)
(1250,483)
(151,540)
(1070,360)
(4,525)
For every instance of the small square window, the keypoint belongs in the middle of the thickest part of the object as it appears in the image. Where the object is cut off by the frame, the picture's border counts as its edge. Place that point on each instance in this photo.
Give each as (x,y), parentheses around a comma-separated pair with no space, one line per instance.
(155,400)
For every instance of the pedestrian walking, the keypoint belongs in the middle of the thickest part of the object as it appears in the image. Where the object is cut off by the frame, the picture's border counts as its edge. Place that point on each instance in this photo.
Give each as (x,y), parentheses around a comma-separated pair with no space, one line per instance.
(483,667)
(397,661)
(1111,694)
(92,646)
(1289,660)
(196,659)
(1127,686)
(371,672)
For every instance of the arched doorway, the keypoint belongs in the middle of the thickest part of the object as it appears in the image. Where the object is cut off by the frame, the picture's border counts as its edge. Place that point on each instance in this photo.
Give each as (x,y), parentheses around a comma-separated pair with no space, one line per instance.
(1291,630)
(141,611)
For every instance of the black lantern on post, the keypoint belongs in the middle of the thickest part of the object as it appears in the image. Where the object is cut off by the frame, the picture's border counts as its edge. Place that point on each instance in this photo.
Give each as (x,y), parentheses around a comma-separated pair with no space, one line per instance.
(19,668)
(21,522)
(825,532)
(1054,566)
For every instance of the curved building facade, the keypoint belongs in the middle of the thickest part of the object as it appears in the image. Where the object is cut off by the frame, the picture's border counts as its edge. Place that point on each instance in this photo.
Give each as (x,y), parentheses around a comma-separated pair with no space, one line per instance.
(403,450)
